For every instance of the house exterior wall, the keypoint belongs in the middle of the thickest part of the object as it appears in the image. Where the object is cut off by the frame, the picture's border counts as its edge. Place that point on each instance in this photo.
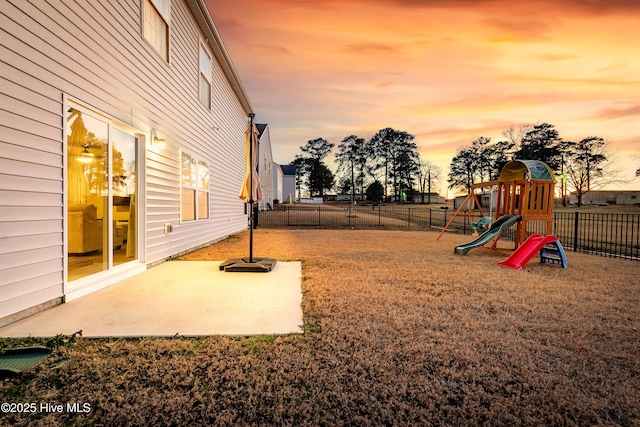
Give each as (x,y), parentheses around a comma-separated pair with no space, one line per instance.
(619,197)
(93,54)
(288,188)
(277,182)
(347,197)
(628,198)
(265,172)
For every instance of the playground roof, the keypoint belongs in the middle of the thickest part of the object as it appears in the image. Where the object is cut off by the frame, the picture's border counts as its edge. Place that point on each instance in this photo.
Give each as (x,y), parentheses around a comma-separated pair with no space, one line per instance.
(526,169)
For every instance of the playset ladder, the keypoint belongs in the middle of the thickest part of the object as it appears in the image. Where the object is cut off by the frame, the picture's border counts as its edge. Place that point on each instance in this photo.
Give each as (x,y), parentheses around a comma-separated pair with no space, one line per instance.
(553,253)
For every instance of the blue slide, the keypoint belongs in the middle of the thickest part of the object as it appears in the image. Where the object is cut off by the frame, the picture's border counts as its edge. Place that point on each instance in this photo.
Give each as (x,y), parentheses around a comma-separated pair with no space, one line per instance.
(496,229)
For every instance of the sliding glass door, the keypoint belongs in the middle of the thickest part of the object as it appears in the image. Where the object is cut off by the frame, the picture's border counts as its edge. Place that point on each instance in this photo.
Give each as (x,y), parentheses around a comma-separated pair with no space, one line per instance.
(124,183)
(102,164)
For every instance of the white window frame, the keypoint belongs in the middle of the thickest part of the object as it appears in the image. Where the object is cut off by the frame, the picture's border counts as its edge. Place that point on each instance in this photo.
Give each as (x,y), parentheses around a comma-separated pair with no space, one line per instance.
(162,8)
(196,184)
(205,71)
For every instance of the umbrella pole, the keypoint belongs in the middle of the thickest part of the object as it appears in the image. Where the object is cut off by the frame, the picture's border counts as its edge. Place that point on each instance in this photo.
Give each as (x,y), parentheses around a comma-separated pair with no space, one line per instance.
(251,116)
(259,264)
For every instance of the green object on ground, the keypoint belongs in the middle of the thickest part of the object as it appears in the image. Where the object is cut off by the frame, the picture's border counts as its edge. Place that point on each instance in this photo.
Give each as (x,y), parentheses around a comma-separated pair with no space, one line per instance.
(16,360)
(496,228)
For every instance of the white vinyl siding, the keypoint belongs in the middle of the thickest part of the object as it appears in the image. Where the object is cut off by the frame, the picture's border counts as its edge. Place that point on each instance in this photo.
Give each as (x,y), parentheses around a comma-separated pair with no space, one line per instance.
(93,53)
(266,166)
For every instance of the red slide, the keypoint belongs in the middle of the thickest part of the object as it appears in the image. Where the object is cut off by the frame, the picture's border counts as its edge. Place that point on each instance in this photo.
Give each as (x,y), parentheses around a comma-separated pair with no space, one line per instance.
(519,259)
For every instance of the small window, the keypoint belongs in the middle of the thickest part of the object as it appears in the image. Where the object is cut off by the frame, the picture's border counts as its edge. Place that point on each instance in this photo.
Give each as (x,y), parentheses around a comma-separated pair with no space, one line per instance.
(194,189)
(156,28)
(205,77)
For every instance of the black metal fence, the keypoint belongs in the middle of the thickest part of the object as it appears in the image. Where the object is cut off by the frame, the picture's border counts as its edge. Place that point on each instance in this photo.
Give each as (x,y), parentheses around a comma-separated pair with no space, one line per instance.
(606,234)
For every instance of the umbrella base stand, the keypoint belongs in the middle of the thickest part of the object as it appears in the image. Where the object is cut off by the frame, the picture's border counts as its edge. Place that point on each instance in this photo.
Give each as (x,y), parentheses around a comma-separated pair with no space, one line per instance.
(240,265)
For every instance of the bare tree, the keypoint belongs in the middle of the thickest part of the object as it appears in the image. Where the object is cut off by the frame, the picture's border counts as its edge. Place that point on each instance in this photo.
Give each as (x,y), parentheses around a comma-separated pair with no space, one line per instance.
(428,176)
(352,154)
(588,165)
(516,135)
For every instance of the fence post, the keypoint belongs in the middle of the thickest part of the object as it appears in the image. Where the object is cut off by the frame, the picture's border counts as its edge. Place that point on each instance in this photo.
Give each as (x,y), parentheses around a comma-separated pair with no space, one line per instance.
(319,223)
(575,232)
(379,216)
(409,218)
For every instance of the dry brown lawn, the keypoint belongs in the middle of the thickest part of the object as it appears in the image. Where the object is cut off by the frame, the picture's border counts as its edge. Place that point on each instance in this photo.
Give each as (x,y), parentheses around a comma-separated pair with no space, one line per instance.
(398,331)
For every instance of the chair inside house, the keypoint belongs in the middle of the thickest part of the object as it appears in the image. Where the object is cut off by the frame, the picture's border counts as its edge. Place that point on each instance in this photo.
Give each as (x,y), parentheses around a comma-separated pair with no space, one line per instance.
(86,230)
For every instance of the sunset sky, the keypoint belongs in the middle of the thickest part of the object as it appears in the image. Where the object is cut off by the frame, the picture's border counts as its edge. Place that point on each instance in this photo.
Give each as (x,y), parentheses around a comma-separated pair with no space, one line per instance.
(446,71)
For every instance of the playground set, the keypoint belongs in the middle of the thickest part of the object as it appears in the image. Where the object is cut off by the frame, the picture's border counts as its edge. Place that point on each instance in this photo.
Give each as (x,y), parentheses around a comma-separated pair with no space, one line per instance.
(525,192)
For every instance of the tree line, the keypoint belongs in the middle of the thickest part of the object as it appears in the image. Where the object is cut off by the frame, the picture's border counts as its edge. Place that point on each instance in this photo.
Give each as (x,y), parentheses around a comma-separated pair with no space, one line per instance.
(386,165)
(389,164)
(581,166)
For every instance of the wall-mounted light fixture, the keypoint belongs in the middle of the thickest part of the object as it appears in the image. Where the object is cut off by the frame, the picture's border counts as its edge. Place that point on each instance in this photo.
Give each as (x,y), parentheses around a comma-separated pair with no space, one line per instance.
(160,142)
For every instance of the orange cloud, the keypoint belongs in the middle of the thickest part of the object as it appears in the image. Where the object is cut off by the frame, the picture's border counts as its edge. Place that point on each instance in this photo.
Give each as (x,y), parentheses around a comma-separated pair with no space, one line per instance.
(447,71)
(632,111)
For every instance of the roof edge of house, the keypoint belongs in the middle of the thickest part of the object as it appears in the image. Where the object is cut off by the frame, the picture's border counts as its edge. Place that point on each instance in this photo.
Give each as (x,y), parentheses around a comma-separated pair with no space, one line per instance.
(203,17)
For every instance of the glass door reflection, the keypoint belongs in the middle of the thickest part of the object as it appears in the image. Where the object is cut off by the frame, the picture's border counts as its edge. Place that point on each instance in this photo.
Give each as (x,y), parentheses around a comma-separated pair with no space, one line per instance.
(124,171)
(87,190)
(102,179)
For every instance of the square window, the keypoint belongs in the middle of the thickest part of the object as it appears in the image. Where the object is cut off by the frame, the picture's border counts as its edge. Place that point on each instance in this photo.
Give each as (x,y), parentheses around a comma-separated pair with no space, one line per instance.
(203,205)
(194,181)
(205,92)
(156,29)
(188,211)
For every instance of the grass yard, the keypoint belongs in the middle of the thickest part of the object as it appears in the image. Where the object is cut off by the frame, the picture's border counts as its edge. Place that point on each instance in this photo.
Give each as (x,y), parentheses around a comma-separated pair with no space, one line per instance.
(398,331)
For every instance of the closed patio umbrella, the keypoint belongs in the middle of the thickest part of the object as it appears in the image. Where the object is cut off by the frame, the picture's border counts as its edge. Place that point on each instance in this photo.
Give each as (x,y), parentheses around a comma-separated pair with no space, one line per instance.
(250,193)
(77,139)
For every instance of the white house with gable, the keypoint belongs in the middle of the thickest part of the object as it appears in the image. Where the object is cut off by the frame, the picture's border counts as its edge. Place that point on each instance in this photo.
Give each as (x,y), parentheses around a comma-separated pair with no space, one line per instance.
(265,167)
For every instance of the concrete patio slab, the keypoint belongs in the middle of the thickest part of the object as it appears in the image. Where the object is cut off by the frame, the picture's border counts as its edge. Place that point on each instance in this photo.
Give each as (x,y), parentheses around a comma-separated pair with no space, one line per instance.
(189,298)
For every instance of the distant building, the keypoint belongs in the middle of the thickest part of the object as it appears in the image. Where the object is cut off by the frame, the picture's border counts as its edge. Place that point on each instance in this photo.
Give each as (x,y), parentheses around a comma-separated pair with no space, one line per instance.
(288,183)
(612,197)
(429,198)
(487,201)
(265,167)
(346,197)
(278,177)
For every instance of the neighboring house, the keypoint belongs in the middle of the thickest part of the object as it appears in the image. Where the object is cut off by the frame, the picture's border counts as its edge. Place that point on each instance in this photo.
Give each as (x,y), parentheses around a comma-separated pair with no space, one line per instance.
(487,200)
(432,198)
(122,130)
(346,197)
(613,197)
(288,183)
(265,167)
(278,176)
